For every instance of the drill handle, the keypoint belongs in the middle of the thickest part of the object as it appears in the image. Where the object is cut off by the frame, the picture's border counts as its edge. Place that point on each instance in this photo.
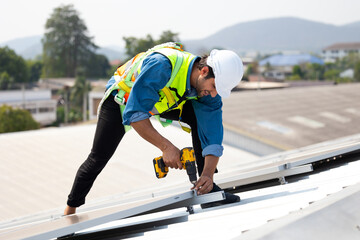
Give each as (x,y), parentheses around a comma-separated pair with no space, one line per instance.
(159,166)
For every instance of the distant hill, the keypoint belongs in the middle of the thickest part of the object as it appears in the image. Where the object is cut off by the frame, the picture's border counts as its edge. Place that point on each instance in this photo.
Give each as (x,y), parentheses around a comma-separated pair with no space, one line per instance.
(30,47)
(277,34)
(267,35)
(27,47)
(112,53)
(353,25)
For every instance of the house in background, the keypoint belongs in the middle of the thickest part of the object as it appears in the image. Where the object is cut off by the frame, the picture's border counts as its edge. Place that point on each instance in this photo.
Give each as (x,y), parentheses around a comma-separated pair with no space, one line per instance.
(339,50)
(38,102)
(280,66)
(94,101)
(94,96)
(348,73)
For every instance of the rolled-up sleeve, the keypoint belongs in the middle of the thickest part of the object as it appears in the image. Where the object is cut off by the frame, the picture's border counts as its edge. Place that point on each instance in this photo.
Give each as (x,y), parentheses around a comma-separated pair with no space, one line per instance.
(209,121)
(155,73)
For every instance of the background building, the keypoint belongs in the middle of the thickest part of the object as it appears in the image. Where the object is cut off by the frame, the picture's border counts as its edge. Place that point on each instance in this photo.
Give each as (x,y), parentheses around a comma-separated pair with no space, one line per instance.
(37,102)
(280,66)
(339,50)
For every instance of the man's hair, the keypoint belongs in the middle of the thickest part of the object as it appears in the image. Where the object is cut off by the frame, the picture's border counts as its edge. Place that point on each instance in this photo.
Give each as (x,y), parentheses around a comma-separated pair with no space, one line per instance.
(202,63)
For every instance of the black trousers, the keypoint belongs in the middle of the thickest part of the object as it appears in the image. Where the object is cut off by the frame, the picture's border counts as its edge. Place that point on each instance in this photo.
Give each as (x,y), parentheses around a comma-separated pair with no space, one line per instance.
(108,134)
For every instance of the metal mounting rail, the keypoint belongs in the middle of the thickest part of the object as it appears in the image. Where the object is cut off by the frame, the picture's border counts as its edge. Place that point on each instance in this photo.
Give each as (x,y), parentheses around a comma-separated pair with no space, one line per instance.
(262,175)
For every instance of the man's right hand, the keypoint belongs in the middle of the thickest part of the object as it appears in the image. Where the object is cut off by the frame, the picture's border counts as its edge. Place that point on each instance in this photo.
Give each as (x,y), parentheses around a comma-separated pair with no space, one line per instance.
(171,157)
(171,154)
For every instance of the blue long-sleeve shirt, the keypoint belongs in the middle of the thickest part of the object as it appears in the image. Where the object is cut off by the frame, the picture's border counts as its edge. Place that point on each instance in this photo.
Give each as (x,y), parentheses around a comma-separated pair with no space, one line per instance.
(154,75)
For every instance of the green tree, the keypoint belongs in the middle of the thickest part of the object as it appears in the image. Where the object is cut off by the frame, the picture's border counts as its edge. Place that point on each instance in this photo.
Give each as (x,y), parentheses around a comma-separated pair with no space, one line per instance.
(14,120)
(168,36)
(66,44)
(315,71)
(35,70)
(268,66)
(331,74)
(134,45)
(294,77)
(297,71)
(15,68)
(347,62)
(112,70)
(6,82)
(60,115)
(79,93)
(251,69)
(98,66)
(357,71)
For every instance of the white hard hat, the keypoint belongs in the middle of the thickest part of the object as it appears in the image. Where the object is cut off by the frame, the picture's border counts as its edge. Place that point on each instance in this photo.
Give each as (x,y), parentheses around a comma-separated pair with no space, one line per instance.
(228,70)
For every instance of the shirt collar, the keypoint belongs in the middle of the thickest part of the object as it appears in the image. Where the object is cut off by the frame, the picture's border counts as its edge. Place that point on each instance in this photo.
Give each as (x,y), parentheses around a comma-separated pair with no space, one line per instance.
(190,91)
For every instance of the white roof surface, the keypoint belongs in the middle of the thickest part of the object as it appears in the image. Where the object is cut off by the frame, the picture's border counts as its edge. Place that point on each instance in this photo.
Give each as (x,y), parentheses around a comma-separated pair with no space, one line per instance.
(38,167)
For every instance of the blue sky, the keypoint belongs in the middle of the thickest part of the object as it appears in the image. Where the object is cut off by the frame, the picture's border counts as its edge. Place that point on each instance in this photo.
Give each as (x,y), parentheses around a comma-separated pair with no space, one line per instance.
(108,21)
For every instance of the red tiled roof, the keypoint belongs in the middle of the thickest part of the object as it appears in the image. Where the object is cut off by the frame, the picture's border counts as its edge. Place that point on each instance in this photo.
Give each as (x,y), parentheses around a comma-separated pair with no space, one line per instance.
(116,62)
(346,46)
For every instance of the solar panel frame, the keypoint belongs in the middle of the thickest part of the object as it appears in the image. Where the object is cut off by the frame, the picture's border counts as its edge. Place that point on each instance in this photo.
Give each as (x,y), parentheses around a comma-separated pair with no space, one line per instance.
(73,223)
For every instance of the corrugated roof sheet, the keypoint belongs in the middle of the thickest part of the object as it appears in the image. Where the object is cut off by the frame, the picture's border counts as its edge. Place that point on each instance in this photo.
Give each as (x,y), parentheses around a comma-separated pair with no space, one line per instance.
(290,60)
(295,117)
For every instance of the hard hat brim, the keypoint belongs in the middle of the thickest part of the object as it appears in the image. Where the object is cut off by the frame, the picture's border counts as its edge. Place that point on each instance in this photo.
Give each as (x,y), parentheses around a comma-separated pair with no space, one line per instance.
(228,70)
(221,90)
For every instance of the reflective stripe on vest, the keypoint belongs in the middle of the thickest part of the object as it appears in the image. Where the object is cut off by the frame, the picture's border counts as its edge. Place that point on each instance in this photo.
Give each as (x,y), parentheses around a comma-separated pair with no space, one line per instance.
(175,88)
(171,95)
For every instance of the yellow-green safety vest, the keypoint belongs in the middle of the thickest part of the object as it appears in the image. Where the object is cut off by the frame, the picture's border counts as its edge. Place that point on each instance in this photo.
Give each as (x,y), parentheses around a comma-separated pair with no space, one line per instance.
(172,95)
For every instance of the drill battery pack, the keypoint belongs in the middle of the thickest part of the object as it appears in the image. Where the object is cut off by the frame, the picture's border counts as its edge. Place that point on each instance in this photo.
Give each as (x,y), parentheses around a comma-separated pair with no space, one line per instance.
(159,166)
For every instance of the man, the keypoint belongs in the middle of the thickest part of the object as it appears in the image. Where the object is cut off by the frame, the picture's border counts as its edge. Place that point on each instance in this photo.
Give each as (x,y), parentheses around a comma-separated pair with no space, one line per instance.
(170,83)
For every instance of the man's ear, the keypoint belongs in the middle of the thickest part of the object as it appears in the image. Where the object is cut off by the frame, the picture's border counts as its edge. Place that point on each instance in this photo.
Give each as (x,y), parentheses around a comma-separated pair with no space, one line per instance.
(204,71)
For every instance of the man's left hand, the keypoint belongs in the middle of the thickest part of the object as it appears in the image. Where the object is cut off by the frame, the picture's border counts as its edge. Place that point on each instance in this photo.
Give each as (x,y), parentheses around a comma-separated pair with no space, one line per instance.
(203,185)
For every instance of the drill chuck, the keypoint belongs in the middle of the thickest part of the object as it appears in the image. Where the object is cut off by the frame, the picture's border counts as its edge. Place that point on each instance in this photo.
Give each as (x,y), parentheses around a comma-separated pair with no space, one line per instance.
(191,171)
(188,161)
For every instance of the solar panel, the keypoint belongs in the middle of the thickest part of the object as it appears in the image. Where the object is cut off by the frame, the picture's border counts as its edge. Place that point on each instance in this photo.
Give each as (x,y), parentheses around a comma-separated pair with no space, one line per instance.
(70,224)
(321,153)
(336,216)
(131,227)
(287,163)
(262,175)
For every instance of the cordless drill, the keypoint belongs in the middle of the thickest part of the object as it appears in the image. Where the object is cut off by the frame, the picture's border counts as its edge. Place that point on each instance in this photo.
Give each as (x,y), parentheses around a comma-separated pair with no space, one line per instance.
(187,159)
